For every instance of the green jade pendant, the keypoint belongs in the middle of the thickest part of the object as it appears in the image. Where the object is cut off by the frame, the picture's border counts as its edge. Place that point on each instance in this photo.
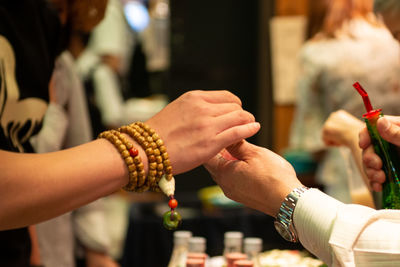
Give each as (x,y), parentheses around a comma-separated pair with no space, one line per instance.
(172,219)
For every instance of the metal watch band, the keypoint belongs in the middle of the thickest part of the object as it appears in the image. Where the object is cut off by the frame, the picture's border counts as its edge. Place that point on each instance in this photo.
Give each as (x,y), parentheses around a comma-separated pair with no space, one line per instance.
(284,219)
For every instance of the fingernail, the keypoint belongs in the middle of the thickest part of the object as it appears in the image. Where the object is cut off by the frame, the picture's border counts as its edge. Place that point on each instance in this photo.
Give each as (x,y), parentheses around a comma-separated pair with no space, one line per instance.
(256,125)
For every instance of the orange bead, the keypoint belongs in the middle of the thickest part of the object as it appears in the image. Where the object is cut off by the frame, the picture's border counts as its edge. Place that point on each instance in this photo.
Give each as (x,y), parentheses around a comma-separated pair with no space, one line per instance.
(173,203)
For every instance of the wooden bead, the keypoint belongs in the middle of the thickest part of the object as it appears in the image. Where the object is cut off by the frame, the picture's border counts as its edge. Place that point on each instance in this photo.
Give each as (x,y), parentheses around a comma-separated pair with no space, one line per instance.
(129,161)
(137,160)
(149,151)
(167,163)
(152,173)
(160,167)
(152,165)
(121,148)
(145,127)
(155,137)
(141,177)
(163,149)
(141,140)
(132,168)
(153,145)
(140,167)
(151,158)
(159,142)
(168,170)
(152,179)
(129,145)
(125,154)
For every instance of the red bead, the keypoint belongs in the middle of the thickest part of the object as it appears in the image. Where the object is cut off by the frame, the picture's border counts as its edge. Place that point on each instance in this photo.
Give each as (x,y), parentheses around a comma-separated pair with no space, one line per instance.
(173,203)
(133,152)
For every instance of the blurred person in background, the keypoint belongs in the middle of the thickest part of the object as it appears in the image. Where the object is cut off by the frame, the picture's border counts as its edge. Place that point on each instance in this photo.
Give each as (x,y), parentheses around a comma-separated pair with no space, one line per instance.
(346,43)
(67,124)
(104,63)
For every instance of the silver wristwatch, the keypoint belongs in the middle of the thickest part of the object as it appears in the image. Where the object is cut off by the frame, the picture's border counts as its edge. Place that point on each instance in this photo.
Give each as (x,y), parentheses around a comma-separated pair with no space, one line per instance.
(284,219)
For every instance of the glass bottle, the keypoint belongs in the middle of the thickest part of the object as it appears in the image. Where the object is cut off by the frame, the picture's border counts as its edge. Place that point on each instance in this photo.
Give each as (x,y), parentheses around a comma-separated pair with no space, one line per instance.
(197,244)
(180,249)
(390,161)
(233,242)
(252,248)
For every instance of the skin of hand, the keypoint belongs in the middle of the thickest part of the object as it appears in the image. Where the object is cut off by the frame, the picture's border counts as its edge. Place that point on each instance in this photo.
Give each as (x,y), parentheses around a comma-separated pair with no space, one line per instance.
(341,129)
(389,129)
(199,124)
(254,176)
(195,127)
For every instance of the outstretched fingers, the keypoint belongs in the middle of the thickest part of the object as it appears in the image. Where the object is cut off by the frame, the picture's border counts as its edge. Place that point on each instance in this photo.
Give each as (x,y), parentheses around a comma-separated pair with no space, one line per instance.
(237,133)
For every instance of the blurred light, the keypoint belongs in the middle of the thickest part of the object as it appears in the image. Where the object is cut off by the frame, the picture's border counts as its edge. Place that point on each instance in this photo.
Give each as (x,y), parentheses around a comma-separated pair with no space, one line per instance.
(137,15)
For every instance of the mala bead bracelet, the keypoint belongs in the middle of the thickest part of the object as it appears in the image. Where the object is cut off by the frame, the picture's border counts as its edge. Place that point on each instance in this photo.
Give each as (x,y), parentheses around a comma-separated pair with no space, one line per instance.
(159,177)
(129,154)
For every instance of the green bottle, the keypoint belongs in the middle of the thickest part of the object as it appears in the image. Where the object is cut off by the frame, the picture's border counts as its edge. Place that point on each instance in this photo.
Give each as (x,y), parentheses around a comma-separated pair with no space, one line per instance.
(388,154)
(386,151)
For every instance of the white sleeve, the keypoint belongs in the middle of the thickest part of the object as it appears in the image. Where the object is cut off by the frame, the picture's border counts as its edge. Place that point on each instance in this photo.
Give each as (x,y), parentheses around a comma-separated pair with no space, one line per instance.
(90,226)
(108,95)
(347,235)
(51,136)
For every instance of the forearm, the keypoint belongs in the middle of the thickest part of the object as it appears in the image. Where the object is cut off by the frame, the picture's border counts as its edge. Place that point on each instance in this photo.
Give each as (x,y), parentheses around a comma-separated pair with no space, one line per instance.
(36,187)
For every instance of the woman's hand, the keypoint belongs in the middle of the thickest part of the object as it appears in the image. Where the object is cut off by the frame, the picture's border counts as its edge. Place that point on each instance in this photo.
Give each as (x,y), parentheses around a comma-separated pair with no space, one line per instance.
(341,129)
(199,124)
(389,129)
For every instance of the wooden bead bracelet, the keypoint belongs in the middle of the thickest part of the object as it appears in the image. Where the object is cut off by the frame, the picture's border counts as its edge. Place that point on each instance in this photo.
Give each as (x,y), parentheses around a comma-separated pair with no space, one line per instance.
(159,177)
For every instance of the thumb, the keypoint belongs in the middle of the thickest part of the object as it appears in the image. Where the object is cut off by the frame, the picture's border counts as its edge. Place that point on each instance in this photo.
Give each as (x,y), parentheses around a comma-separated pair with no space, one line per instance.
(231,155)
(242,150)
(389,131)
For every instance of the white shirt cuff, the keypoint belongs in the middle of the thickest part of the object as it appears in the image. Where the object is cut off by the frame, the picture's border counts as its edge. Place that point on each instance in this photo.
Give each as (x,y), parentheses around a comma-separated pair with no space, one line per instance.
(313,218)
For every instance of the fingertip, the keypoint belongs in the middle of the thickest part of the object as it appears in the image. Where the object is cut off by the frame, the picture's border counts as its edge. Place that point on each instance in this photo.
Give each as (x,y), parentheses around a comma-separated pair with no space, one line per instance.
(255,125)
(364,139)
(383,124)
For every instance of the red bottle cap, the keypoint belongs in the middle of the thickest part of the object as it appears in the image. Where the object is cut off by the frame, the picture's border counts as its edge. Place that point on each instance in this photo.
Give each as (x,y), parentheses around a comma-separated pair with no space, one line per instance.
(234,256)
(197,255)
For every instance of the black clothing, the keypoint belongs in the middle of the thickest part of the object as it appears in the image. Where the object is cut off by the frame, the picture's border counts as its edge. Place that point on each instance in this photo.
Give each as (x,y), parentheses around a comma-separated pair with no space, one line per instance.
(29,43)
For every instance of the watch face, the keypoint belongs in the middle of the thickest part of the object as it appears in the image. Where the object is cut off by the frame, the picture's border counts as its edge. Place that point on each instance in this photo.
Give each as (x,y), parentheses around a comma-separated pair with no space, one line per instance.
(283,231)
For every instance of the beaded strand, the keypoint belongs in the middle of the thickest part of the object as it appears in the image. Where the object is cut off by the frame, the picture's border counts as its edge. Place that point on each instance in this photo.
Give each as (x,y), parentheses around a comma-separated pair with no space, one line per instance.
(160,169)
